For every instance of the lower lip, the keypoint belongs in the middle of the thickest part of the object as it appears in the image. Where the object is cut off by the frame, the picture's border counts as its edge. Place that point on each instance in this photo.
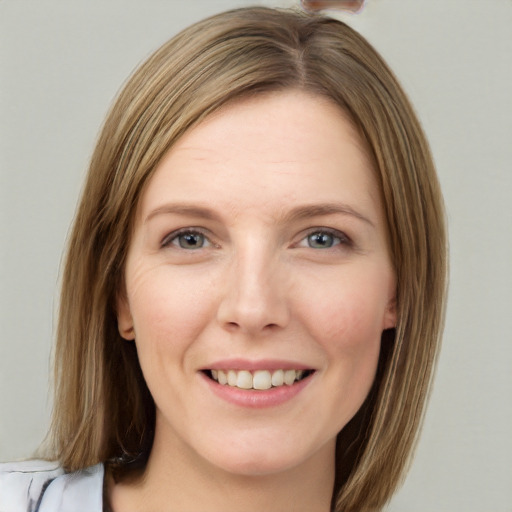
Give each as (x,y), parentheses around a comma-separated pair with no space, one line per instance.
(256,399)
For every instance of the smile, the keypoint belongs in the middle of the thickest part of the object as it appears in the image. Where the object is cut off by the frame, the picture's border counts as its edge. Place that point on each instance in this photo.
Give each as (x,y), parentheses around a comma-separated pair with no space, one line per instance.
(259,379)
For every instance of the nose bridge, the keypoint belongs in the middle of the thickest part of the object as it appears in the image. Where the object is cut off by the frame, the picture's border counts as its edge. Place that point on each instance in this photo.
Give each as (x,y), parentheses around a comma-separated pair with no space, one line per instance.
(254,298)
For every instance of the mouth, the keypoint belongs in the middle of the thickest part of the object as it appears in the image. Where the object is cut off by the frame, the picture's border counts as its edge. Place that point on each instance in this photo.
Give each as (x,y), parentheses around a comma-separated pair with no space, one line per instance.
(258,380)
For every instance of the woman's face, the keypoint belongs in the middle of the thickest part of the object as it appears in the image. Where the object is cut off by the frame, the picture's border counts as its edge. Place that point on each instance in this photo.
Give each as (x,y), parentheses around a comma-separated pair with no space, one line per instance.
(259,256)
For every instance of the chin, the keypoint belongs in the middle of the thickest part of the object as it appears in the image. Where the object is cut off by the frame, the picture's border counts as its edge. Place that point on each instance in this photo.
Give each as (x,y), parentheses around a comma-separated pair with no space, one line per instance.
(259,465)
(260,458)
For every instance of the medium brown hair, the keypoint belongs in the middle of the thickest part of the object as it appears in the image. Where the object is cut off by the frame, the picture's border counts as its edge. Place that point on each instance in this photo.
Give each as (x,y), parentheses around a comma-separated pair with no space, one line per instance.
(103,410)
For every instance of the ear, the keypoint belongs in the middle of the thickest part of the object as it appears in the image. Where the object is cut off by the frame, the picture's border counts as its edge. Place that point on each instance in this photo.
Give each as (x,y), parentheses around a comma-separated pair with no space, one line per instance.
(389,320)
(124,318)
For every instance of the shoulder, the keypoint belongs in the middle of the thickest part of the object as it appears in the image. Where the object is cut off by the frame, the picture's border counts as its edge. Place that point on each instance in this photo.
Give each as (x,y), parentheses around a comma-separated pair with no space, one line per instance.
(41,486)
(22,483)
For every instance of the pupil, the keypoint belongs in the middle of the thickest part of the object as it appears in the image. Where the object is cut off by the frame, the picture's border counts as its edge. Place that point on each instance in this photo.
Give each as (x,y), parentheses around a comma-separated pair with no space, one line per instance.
(321,240)
(191,241)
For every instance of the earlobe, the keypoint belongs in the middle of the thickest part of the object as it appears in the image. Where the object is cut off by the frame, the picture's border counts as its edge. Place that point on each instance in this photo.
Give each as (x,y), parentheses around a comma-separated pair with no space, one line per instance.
(124,319)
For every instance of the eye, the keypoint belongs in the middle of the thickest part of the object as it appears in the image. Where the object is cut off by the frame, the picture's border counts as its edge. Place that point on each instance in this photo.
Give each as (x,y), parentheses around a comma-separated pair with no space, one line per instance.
(324,239)
(187,239)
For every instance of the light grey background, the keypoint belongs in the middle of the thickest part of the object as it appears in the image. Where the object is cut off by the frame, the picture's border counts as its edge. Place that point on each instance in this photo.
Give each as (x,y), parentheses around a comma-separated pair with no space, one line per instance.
(61,63)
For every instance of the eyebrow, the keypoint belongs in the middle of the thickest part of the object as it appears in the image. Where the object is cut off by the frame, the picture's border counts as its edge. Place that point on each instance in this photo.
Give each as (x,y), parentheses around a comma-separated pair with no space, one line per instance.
(295,214)
(185,210)
(319,210)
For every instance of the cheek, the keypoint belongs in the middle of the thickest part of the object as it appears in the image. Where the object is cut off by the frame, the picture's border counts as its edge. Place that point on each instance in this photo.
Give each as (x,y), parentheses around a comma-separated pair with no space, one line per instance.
(351,340)
(167,312)
(345,315)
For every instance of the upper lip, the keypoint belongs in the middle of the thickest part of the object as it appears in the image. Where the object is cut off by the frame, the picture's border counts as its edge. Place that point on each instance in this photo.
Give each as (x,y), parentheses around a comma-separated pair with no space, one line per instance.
(254,365)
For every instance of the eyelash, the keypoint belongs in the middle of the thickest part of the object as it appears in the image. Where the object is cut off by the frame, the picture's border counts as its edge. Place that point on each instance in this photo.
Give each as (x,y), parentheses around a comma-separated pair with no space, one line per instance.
(341,237)
(174,236)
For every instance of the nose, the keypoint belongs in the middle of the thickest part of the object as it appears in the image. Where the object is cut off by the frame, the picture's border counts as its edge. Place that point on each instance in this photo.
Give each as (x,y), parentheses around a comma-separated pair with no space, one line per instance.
(254,300)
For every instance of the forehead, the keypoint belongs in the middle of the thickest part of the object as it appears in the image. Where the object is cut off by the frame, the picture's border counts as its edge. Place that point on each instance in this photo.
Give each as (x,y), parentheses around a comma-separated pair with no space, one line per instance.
(269,149)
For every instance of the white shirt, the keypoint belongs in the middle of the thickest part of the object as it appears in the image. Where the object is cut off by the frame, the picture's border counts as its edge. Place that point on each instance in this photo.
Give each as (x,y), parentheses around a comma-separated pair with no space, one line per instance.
(40,486)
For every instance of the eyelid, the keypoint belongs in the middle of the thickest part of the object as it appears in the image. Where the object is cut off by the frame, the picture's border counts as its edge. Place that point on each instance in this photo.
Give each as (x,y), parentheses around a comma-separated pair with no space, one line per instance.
(336,233)
(173,235)
(343,238)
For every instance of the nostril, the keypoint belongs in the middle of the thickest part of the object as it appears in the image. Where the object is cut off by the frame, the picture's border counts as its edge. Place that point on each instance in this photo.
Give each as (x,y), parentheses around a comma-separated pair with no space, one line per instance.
(253,308)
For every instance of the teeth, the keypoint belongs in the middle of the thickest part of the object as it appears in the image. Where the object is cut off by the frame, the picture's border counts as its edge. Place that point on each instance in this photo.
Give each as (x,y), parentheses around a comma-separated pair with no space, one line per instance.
(244,380)
(289,377)
(278,378)
(222,377)
(232,378)
(260,379)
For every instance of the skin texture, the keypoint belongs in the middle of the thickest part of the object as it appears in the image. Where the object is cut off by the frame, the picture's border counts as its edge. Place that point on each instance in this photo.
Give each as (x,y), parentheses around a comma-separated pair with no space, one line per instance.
(256,286)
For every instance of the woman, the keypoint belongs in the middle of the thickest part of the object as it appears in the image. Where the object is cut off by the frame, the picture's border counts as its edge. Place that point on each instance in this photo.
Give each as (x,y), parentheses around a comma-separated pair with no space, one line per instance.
(254,288)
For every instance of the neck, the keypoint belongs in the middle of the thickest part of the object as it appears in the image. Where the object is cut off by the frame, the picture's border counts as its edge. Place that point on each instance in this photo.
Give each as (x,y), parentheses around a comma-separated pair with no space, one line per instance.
(173,480)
